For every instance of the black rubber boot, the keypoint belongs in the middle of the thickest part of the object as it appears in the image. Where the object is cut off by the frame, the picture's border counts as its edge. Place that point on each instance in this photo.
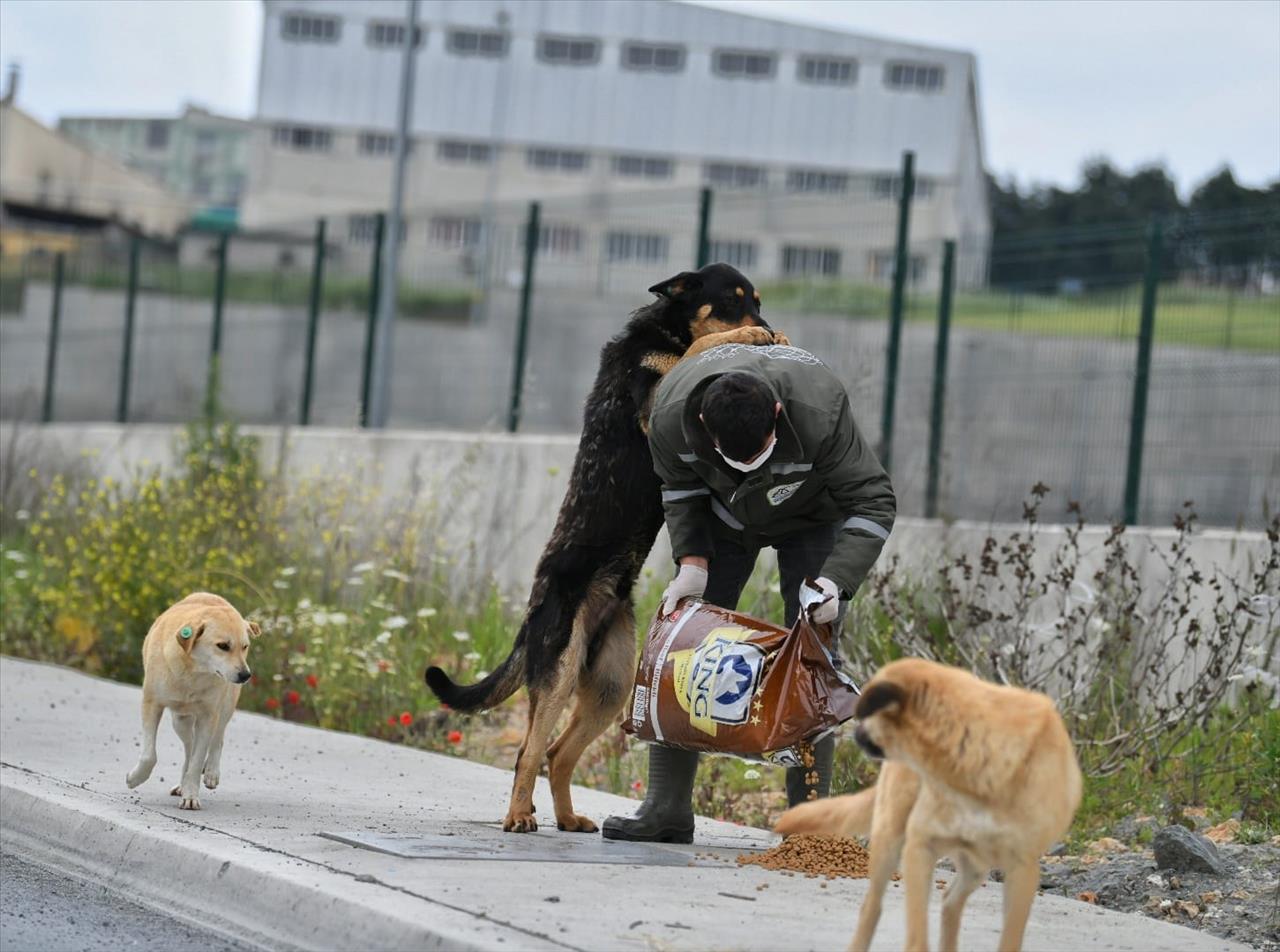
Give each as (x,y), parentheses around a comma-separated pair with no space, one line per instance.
(798,787)
(666,815)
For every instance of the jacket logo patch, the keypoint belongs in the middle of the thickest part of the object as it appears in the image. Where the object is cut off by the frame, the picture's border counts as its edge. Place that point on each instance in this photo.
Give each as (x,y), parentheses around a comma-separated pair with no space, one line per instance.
(780,494)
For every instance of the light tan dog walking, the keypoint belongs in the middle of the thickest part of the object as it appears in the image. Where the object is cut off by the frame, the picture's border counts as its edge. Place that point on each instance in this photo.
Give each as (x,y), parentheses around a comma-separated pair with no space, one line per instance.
(981,773)
(194,660)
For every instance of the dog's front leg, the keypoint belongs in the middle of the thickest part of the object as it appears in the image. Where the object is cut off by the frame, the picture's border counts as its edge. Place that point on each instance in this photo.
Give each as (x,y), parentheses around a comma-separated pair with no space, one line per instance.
(196,733)
(1020,885)
(151,714)
(918,860)
(213,764)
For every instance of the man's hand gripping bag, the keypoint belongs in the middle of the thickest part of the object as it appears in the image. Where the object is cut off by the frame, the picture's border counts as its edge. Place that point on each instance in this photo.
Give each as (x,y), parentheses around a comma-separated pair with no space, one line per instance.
(723,682)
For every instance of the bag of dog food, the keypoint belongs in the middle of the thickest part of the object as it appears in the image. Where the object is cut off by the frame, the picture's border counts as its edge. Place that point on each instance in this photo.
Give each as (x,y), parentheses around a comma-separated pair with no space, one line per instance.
(719,681)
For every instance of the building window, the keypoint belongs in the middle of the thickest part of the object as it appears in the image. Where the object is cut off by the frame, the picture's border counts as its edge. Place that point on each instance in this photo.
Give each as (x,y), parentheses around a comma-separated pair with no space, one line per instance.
(827,71)
(643,166)
(302,138)
(389,34)
(918,76)
(728,175)
(472,153)
(376,143)
(157,134)
(310,28)
(636,246)
(742,64)
(882,267)
(568,50)
(558,160)
(889,188)
(739,254)
(560,240)
(454,232)
(815,180)
(653,57)
(491,43)
(363,229)
(797,261)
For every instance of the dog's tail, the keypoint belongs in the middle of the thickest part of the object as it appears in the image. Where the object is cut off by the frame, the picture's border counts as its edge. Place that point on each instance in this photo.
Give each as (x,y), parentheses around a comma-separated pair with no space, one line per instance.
(505,680)
(849,815)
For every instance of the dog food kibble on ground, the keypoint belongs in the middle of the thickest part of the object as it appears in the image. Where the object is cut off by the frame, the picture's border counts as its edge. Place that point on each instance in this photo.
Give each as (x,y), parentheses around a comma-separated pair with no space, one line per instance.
(813,855)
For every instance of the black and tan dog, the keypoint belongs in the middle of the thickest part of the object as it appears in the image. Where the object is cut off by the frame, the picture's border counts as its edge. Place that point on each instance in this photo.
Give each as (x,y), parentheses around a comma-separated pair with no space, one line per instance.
(578,634)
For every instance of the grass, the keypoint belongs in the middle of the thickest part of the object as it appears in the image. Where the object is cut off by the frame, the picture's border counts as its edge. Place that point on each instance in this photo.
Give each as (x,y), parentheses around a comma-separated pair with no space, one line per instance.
(1187,316)
(289,289)
(356,596)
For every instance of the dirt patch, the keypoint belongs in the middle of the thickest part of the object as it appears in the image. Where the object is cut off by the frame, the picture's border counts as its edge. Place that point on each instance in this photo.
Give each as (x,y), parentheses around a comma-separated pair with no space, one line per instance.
(1242,904)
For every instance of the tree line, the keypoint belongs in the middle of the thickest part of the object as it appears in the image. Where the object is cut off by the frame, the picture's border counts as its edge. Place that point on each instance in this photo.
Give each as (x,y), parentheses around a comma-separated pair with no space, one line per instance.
(1047,238)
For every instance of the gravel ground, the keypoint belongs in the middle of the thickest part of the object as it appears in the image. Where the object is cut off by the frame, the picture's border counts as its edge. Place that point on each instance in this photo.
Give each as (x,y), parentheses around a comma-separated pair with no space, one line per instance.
(1242,904)
(45,911)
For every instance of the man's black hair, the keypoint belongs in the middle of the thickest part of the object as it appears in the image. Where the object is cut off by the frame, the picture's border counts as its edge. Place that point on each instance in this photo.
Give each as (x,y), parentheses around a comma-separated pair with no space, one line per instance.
(738,412)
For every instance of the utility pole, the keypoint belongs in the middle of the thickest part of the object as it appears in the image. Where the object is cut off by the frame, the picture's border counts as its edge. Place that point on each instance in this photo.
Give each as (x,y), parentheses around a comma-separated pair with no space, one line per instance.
(384,328)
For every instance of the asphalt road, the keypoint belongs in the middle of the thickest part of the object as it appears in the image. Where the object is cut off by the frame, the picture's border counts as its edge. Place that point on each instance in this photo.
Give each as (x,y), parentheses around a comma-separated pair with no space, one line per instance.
(45,911)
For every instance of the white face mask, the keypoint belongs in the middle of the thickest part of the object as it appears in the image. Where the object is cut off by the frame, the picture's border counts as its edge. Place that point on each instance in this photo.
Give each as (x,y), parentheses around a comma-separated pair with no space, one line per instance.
(755,463)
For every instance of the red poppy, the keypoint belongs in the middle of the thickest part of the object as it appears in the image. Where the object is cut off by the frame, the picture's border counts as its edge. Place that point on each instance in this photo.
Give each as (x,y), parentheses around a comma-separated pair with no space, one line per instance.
(292,697)
(637,786)
(406,719)
(272,704)
(455,737)
(312,680)
(392,720)
(253,679)
(445,707)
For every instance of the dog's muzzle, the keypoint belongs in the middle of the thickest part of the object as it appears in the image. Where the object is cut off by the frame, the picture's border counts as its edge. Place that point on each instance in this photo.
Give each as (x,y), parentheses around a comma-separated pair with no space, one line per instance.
(243,675)
(869,747)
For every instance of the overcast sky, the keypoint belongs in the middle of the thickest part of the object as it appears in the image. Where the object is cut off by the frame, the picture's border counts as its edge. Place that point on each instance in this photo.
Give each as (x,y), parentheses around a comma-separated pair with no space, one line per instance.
(1193,85)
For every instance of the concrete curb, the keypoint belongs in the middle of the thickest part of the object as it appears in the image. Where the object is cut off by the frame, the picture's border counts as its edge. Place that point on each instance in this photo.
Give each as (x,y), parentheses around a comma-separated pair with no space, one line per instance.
(269,899)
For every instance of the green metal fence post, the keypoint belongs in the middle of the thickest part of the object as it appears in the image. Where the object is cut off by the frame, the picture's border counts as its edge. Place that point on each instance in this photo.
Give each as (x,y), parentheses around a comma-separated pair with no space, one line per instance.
(55,322)
(215,343)
(313,322)
(522,328)
(375,284)
(1142,374)
(126,355)
(907,188)
(939,378)
(704,226)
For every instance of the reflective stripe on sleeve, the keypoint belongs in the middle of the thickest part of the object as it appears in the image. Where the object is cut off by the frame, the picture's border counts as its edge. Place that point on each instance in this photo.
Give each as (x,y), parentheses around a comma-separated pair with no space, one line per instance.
(866,525)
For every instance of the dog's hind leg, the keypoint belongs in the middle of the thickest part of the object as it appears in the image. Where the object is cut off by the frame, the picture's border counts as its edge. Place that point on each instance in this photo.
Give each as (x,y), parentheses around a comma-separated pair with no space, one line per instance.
(601,693)
(151,714)
(546,704)
(968,878)
(1020,885)
(184,727)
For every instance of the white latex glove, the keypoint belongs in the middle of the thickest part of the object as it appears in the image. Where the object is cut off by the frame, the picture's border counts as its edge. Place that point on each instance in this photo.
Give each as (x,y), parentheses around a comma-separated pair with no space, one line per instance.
(825,613)
(690,580)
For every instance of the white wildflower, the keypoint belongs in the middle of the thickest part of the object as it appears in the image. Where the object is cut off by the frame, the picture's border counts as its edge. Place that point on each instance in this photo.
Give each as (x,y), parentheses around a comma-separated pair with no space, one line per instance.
(472,656)
(362,567)
(355,580)
(398,576)
(304,604)
(383,637)
(426,612)
(21,573)
(461,636)
(752,774)
(22,515)
(482,675)
(13,555)
(289,570)
(395,621)
(338,618)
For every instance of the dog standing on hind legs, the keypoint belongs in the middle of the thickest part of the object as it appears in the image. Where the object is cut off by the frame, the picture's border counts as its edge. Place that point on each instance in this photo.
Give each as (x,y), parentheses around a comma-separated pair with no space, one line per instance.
(578,633)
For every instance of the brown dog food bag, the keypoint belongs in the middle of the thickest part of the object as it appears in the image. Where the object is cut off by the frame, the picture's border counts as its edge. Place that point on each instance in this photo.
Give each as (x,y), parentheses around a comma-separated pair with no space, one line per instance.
(719,681)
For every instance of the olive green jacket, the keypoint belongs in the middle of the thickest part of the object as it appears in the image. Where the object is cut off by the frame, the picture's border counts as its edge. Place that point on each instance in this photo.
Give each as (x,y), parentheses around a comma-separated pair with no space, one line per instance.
(822,472)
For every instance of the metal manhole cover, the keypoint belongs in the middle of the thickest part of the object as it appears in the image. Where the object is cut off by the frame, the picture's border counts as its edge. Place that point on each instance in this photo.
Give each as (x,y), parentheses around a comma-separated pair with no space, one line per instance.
(549,847)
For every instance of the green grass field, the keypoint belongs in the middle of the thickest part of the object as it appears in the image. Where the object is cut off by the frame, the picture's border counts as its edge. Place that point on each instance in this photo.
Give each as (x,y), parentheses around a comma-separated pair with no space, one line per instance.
(1196,317)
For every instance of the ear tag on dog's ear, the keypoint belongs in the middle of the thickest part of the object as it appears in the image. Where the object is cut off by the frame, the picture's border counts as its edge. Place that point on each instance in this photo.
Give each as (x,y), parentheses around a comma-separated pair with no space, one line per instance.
(185,632)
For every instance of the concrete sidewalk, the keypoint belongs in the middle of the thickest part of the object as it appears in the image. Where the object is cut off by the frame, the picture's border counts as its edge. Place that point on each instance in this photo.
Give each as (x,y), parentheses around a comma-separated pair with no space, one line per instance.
(253,861)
